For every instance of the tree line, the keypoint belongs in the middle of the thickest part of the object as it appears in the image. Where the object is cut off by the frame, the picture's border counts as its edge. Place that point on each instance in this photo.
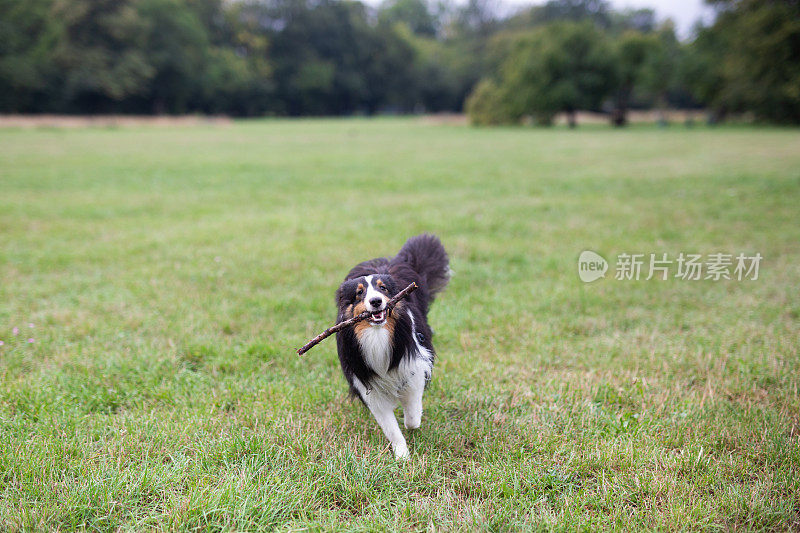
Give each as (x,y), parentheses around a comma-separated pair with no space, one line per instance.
(337,57)
(748,61)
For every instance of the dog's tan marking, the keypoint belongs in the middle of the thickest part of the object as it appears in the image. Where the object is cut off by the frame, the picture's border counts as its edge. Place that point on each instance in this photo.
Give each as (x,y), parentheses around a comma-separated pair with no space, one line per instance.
(390,323)
(357,310)
(360,327)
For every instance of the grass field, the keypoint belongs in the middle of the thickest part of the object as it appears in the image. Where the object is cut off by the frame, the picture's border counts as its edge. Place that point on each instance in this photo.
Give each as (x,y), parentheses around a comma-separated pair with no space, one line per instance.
(165,276)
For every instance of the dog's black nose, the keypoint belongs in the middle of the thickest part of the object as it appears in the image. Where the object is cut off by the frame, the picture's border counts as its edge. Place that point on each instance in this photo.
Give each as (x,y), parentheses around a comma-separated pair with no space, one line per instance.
(375,302)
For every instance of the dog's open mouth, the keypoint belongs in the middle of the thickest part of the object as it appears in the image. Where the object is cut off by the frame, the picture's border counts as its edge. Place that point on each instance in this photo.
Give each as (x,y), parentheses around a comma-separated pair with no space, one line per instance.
(378,317)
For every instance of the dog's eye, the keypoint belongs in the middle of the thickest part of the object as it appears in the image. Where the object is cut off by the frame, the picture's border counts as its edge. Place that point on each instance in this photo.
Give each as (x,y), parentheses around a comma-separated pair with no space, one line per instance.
(384,289)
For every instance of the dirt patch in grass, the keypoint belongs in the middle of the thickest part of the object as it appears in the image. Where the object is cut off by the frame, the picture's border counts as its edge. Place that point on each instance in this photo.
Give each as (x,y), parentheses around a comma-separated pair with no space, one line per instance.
(106,121)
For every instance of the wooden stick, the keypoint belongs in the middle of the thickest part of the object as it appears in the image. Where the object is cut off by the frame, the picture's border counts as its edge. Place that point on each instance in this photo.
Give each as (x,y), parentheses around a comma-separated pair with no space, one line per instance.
(358,318)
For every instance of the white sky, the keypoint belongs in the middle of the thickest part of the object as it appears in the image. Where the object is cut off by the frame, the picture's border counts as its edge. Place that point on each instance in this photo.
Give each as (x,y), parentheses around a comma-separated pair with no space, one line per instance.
(683,12)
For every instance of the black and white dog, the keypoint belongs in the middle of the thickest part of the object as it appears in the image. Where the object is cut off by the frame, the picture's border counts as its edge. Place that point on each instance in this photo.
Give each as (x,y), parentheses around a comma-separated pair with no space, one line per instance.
(388,358)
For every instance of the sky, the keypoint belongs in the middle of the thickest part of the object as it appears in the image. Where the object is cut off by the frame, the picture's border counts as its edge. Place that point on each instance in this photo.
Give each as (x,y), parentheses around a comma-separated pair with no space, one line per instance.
(683,12)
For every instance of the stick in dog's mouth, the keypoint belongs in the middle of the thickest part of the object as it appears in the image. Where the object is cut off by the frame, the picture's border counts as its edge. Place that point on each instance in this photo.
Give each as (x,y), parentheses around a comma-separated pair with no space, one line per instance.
(378,317)
(358,318)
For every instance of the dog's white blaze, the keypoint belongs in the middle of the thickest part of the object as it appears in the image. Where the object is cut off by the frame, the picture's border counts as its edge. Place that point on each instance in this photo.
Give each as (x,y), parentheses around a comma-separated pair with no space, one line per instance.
(372,292)
(376,348)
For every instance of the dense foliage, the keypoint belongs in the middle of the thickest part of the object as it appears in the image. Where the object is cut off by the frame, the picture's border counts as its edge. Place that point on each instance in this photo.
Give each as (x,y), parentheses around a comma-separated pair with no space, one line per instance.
(562,67)
(334,57)
(749,60)
(243,58)
(575,54)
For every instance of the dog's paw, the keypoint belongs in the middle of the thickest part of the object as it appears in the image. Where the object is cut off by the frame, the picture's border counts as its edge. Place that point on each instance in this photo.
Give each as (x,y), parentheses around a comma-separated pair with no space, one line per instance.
(412,423)
(401,451)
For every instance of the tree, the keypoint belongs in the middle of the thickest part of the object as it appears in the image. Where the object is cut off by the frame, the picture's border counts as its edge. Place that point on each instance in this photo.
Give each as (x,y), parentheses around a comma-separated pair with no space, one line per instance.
(701,70)
(561,67)
(641,20)
(658,73)
(489,105)
(595,11)
(301,57)
(28,36)
(476,18)
(176,47)
(239,78)
(328,59)
(632,49)
(413,13)
(645,65)
(101,54)
(749,60)
(432,85)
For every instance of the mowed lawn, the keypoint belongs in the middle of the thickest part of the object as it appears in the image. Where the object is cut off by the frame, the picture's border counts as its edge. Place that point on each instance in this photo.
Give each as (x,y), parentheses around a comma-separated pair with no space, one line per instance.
(165,275)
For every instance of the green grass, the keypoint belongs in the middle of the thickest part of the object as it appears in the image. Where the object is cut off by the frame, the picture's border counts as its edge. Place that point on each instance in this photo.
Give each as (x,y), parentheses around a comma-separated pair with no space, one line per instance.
(170,272)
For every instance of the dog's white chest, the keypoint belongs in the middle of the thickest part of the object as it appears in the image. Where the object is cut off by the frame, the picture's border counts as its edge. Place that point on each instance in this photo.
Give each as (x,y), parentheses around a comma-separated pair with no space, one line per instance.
(376,348)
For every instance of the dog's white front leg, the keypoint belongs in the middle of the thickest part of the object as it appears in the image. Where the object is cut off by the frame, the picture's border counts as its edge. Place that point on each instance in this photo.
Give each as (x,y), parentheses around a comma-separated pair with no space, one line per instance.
(384,414)
(382,409)
(412,400)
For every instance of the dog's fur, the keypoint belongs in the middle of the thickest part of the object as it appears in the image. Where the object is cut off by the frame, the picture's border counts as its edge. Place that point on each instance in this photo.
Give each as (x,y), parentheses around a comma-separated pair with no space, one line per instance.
(388,359)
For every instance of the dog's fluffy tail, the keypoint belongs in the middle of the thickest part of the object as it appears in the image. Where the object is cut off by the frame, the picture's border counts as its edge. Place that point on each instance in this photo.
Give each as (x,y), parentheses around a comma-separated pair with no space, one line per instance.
(426,255)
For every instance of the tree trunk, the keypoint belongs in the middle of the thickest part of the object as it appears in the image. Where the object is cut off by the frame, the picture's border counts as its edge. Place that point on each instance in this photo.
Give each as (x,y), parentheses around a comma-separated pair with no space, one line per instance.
(572,118)
(663,122)
(619,117)
(159,105)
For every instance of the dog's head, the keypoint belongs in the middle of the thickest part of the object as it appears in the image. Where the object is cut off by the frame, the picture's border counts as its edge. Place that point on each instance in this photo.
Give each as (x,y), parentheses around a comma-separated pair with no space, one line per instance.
(367,293)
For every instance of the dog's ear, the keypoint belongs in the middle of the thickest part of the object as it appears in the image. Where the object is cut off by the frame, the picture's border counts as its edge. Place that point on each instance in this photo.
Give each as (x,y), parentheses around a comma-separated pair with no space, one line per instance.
(345,293)
(391,284)
(340,295)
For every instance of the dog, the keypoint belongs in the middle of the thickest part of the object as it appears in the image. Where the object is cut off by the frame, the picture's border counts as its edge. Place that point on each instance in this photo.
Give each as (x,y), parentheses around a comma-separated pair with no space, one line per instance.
(388,359)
